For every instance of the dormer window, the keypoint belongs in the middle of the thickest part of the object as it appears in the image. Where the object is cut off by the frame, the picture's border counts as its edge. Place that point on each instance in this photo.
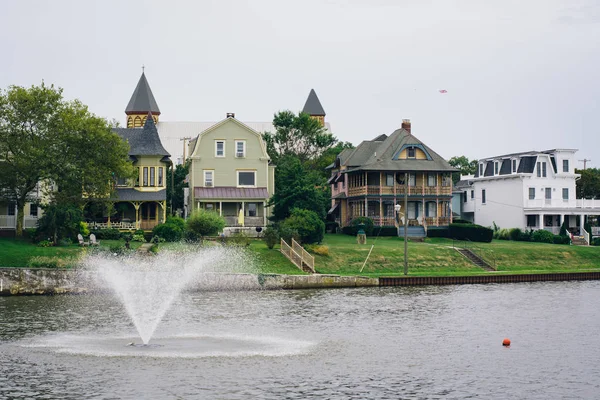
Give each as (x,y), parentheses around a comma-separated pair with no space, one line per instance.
(496,168)
(410,152)
(514,166)
(481,169)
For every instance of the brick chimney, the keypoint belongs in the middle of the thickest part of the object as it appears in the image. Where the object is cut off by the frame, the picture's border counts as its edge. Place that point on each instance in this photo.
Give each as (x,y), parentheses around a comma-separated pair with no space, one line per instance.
(406,125)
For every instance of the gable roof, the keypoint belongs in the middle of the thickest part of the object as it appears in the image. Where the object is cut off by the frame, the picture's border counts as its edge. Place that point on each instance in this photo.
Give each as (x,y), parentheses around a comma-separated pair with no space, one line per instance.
(143,142)
(313,105)
(382,155)
(142,100)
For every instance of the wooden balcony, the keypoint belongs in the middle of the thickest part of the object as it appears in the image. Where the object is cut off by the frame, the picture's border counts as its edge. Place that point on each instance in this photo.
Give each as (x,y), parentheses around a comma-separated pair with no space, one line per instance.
(372,190)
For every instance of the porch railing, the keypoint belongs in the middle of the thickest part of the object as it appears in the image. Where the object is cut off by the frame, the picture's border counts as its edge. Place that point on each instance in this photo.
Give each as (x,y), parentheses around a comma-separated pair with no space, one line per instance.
(10,222)
(115,225)
(585,235)
(231,221)
(399,190)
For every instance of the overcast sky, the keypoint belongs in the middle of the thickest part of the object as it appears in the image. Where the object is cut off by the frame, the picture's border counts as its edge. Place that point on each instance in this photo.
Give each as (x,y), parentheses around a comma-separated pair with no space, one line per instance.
(520,75)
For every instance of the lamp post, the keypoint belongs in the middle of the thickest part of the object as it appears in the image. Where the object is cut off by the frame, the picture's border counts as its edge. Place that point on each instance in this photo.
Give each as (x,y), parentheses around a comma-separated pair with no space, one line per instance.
(398,207)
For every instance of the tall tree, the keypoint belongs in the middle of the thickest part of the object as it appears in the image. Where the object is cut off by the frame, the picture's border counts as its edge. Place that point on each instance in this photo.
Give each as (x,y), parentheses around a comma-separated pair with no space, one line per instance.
(298,135)
(588,186)
(466,166)
(177,180)
(46,138)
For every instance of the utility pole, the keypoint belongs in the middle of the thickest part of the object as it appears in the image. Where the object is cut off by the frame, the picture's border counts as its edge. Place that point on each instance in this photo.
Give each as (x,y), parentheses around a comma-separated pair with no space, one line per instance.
(183,139)
(406,223)
(584,161)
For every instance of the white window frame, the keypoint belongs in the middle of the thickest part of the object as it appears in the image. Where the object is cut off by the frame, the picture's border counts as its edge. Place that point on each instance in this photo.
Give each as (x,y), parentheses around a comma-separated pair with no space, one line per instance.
(413,149)
(237,173)
(513,166)
(481,169)
(531,191)
(544,169)
(496,168)
(565,191)
(237,153)
(212,177)
(483,196)
(565,164)
(217,141)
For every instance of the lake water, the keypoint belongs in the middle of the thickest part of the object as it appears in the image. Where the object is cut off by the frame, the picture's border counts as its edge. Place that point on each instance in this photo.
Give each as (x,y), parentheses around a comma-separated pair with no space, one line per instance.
(377,343)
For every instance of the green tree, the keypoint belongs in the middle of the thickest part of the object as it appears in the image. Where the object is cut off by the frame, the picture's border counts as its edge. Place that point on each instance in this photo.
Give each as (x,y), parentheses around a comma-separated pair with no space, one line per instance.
(297,186)
(328,157)
(308,224)
(588,186)
(298,135)
(60,221)
(44,138)
(465,166)
(177,179)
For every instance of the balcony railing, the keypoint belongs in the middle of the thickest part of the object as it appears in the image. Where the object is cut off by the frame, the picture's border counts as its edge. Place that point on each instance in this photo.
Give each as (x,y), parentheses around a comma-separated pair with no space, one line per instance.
(10,222)
(560,203)
(248,221)
(399,190)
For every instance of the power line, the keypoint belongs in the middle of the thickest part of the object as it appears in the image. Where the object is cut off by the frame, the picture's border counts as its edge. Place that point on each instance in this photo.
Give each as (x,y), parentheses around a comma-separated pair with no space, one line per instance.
(584,161)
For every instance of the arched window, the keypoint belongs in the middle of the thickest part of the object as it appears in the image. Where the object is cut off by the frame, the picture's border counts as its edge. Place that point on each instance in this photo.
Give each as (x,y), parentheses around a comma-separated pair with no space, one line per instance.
(130,122)
(137,122)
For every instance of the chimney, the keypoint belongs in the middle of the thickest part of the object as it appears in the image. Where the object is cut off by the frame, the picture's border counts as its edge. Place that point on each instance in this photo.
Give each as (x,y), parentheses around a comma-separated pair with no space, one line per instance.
(406,125)
(230,115)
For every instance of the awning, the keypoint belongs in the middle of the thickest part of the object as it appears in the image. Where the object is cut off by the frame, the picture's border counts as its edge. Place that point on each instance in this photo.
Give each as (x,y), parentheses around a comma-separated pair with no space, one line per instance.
(333,209)
(230,193)
(330,180)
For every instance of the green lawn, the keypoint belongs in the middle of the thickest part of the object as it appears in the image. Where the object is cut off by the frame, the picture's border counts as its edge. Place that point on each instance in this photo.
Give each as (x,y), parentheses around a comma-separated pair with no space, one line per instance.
(434,257)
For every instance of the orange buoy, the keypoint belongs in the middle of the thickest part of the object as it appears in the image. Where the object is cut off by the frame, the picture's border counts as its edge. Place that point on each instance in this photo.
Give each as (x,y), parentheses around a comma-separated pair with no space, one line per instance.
(506,342)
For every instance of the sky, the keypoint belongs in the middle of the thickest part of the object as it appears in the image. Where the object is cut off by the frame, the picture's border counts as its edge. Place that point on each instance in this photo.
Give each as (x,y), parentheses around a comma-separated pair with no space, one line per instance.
(519,75)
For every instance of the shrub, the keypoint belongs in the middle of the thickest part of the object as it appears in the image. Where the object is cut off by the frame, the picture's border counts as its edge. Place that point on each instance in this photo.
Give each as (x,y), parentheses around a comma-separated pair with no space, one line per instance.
(588,227)
(65,242)
(138,238)
(318,249)
(563,228)
(287,234)
(45,243)
(191,236)
(83,228)
(514,234)
(60,221)
(169,231)
(239,239)
(460,221)
(31,234)
(595,241)
(438,232)
(501,234)
(558,239)
(177,221)
(271,237)
(205,223)
(308,224)
(331,226)
(542,236)
(472,232)
(157,239)
(525,236)
(108,233)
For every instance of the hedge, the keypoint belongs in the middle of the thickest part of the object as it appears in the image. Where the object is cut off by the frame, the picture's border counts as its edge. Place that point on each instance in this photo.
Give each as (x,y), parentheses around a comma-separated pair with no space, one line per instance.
(472,232)
(438,232)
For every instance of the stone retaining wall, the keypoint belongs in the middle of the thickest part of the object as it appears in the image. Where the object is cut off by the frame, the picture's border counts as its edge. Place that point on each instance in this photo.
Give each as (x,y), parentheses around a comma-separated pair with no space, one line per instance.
(40,281)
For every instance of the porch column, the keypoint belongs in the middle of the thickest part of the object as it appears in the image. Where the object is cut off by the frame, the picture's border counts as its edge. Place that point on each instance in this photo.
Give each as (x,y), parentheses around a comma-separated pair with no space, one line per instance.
(221,208)
(561,219)
(395,185)
(164,206)
(366,211)
(264,214)
(244,214)
(381,212)
(541,221)
(437,212)
(136,205)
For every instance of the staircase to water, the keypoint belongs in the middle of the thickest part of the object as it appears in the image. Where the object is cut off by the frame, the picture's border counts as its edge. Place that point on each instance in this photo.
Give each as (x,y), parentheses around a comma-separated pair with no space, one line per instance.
(475,259)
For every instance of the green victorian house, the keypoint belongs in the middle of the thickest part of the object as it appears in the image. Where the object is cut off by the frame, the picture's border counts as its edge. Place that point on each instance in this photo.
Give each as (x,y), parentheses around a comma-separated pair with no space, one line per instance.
(140,203)
(369,181)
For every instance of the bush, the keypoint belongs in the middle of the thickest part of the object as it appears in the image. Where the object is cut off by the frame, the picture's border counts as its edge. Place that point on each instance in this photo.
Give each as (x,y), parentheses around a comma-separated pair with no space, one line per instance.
(460,221)
(308,224)
(271,237)
(501,234)
(108,233)
(595,241)
(83,228)
(65,242)
(318,249)
(31,234)
(138,238)
(287,234)
(542,236)
(45,243)
(331,226)
(472,232)
(563,228)
(205,223)
(438,232)
(117,248)
(60,221)
(558,239)
(514,234)
(177,221)
(169,231)
(525,236)
(239,239)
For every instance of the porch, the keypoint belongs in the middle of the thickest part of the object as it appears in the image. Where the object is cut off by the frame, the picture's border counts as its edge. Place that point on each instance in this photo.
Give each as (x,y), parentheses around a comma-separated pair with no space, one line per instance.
(420,213)
(574,223)
(392,184)
(10,222)
(127,215)
(237,213)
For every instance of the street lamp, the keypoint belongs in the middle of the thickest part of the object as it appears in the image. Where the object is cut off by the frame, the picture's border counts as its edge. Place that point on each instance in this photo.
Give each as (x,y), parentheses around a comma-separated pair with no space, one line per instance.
(398,207)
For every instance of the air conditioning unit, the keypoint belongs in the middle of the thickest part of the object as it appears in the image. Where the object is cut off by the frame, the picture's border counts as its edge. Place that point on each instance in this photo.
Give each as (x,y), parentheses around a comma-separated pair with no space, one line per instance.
(208,184)
(239,154)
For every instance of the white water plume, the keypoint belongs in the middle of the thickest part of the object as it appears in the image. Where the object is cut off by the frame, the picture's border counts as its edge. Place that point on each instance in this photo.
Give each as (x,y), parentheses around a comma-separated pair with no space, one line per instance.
(147,285)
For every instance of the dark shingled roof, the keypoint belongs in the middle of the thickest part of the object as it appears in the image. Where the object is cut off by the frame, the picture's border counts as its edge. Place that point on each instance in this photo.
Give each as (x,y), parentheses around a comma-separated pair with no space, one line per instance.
(226,192)
(142,100)
(505,168)
(143,142)
(313,105)
(489,169)
(376,155)
(137,195)
(527,164)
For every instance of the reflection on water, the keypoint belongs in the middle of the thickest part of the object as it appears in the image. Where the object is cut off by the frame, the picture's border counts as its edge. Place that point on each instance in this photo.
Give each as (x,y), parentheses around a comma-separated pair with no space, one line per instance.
(427,342)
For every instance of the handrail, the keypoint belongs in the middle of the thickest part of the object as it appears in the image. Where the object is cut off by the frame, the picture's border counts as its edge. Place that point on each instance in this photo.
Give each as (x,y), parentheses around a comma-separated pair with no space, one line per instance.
(297,255)
(586,235)
(486,255)
(306,258)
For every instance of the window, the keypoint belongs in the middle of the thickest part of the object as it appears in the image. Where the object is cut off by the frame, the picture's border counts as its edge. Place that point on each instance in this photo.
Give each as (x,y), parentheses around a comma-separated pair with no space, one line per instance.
(219,148)
(531,193)
(565,193)
(389,180)
(431,181)
(544,169)
(412,180)
(33,210)
(464,196)
(152,175)
(209,207)
(240,148)
(121,182)
(548,193)
(431,210)
(539,169)
(514,166)
(160,177)
(145,177)
(410,152)
(208,178)
(565,165)
(480,169)
(251,209)
(496,168)
(472,194)
(137,177)
(246,178)
(11,208)
(446,180)
(482,196)
(532,220)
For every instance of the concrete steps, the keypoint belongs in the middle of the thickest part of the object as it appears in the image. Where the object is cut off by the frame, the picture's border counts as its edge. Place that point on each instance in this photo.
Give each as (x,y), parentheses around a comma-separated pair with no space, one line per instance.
(578,241)
(475,259)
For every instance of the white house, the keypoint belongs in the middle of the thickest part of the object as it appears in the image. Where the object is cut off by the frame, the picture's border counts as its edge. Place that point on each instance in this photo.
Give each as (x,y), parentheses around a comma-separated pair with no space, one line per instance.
(530,190)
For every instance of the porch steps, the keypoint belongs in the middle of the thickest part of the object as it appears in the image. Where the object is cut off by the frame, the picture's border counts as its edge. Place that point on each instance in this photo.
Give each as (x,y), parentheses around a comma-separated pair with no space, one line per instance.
(578,241)
(475,259)
(413,232)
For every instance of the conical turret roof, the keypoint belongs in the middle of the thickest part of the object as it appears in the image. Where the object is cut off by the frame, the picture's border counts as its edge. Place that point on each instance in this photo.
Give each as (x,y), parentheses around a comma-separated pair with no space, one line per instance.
(142,100)
(313,105)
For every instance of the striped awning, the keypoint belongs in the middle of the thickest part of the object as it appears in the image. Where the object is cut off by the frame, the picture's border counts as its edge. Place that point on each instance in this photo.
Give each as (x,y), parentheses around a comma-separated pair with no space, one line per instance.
(230,193)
